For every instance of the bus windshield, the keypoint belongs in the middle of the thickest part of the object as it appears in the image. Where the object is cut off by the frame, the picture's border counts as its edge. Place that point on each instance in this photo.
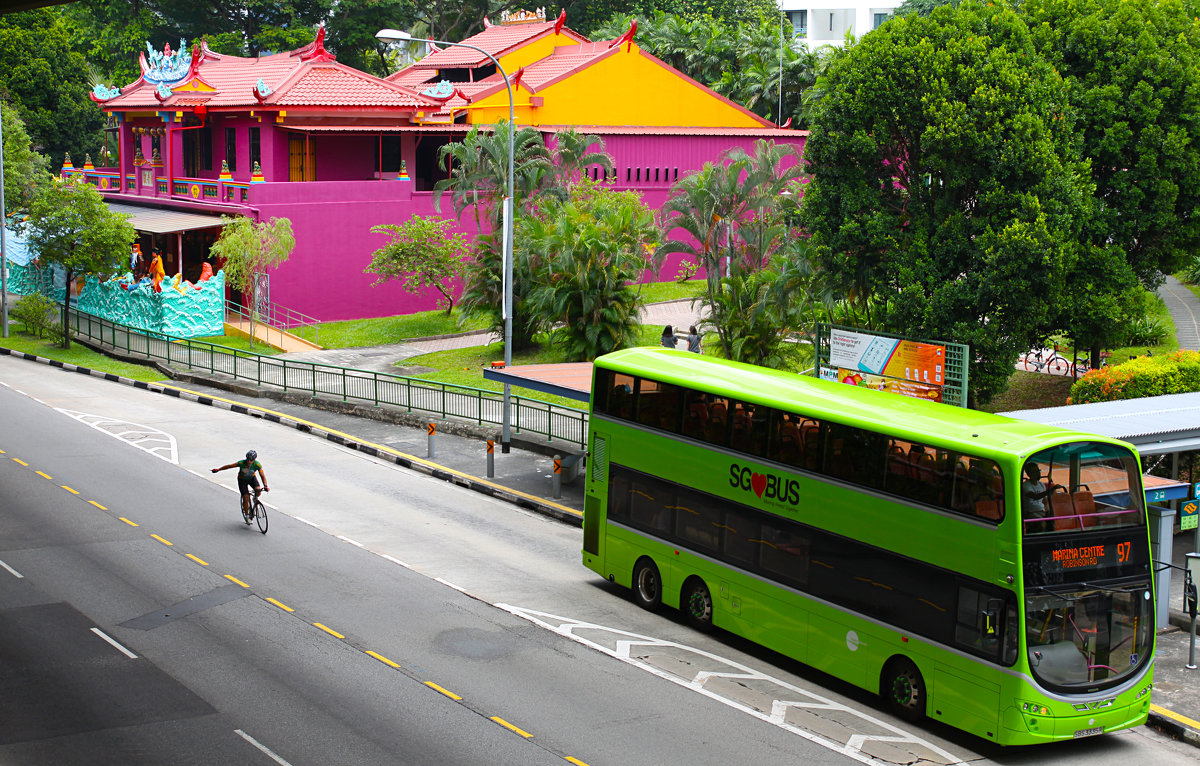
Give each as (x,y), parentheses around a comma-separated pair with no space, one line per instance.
(1079,486)
(1088,636)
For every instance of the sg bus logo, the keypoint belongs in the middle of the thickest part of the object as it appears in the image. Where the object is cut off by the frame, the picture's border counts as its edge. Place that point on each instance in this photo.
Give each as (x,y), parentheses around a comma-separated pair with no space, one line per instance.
(766,486)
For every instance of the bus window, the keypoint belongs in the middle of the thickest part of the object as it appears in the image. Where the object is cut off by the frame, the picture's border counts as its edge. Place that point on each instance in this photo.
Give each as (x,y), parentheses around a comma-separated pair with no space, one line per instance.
(978,626)
(1081,485)
(719,408)
(614,394)
(650,504)
(783,553)
(697,522)
(741,537)
(855,455)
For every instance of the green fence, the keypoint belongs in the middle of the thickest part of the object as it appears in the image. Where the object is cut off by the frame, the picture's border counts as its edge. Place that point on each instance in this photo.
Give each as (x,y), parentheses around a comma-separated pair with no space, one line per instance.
(350,385)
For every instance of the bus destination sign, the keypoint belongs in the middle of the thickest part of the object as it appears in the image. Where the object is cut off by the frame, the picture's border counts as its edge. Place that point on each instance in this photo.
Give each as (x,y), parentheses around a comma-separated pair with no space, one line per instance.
(1062,558)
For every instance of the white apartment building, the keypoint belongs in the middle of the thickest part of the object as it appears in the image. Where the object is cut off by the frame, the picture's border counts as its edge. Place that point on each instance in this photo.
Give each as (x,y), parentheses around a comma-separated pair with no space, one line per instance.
(817,23)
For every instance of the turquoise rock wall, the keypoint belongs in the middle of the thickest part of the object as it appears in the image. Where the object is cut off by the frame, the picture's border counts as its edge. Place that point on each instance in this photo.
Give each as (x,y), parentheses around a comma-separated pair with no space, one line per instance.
(186,311)
(28,279)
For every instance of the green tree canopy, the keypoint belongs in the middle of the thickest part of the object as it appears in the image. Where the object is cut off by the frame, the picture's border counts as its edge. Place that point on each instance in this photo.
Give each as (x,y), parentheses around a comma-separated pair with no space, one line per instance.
(46,80)
(248,249)
(947,186)
(70,226)
(421,252)
(24,169)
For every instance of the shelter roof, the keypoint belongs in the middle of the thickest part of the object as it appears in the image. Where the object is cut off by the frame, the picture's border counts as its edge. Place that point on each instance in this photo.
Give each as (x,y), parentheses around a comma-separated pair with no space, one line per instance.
(306,77)
(1155,425)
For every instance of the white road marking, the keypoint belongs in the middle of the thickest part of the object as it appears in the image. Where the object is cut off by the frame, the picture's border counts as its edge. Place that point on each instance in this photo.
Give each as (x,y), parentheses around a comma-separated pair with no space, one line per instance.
(345,539)
(12,571)
(449,584)
(395,560)
(113,641)
(622,644)
(158,443)
(261,747)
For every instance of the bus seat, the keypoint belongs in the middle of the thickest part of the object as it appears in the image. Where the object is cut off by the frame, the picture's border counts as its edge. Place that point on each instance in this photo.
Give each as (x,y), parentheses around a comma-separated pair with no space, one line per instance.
(718,410)
(1085,506)
(699,410)
(1063,511)
(987,509)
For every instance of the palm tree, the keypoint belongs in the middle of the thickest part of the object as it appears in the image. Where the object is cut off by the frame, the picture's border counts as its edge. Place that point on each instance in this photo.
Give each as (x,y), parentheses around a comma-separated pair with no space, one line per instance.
(573,156)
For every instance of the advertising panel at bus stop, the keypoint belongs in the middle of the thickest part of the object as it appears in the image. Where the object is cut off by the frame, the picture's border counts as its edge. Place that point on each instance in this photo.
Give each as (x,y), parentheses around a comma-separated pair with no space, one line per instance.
(898,366)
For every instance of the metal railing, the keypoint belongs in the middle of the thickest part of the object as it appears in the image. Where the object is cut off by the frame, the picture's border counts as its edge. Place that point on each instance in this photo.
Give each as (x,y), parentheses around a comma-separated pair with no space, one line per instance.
(281,319)
(445,400)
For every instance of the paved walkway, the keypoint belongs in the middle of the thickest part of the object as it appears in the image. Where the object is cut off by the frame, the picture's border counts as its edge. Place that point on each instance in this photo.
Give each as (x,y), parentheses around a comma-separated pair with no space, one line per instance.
(678,313)
(1184,308)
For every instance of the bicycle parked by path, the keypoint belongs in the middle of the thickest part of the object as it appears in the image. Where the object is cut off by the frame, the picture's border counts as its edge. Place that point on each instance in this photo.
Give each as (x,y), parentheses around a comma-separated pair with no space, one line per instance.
(1043,360)
(1083,364)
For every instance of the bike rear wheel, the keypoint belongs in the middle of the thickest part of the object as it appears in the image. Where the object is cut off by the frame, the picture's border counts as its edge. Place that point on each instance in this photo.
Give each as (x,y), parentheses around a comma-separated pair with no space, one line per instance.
(1032,362)
(1058,365)
(260,515)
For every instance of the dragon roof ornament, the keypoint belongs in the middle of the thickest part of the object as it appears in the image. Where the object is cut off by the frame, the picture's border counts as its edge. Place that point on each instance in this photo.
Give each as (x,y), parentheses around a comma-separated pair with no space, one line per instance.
(167,66)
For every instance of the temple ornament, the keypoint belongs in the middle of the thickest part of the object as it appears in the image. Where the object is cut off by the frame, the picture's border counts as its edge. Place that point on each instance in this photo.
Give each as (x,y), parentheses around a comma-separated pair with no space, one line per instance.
(440,92)
(166,67)
(162,92)
(523,16)
(101,92)
(261,91)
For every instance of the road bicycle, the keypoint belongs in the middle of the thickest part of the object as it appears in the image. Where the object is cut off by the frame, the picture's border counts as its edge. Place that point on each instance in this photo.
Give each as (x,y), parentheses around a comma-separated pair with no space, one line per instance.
(1042,360)
(257,512)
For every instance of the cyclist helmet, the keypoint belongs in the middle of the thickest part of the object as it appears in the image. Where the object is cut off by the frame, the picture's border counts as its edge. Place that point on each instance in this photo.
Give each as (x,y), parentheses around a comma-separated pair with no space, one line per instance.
(252,455)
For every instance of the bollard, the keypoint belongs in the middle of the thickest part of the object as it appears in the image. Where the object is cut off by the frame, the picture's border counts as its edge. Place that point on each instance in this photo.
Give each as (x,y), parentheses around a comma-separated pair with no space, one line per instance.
(432,429)
(491,458)
(557,477)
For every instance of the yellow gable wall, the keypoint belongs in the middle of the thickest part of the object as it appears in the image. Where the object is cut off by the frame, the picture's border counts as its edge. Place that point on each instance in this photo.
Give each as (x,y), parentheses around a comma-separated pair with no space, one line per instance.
(534,51)
(623,89)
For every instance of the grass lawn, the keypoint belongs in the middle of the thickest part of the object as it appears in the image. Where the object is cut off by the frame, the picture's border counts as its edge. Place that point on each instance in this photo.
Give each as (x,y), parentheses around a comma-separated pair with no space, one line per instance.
(464,367)
(354,333)
(79,355)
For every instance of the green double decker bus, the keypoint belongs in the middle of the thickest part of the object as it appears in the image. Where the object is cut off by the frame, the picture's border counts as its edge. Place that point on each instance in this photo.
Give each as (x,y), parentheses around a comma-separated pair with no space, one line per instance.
(990,573)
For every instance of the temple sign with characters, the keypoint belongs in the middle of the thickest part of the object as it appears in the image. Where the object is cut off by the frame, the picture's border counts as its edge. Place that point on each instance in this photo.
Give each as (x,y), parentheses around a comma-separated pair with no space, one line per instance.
(336,150)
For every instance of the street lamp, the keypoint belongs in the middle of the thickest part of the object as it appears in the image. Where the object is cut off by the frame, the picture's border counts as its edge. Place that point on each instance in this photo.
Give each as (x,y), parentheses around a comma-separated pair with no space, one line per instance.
(506,311)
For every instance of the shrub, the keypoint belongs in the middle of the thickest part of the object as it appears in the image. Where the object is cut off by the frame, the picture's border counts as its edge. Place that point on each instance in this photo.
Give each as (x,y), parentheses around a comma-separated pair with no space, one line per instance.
(36,312)
(1175,373)
(1144,331)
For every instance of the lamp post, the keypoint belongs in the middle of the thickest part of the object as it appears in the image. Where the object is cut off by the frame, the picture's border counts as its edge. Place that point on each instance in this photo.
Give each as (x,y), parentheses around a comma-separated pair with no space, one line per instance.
(506,311)
(3,248)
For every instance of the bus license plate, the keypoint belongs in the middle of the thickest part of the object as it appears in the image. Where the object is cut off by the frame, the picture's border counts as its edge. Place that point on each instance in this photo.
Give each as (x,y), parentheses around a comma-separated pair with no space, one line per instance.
(1089,732)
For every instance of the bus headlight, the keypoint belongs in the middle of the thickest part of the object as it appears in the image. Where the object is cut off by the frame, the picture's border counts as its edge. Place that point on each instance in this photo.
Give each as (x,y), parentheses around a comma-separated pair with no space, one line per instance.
(1034,708)
(1144,691)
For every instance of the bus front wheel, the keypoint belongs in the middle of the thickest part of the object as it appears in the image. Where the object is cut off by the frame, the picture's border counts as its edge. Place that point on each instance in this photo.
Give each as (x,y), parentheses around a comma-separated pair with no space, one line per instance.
(903,689)
(647,585)
(698,604)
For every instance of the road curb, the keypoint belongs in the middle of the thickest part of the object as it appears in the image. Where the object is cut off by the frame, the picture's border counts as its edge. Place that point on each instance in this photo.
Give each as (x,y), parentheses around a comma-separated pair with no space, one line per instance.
(1174,725)
(404,460)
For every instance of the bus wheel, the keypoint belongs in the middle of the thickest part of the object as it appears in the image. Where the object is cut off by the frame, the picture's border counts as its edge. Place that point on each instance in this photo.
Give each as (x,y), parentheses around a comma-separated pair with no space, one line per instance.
(647,585)
(697,604)
(904,689)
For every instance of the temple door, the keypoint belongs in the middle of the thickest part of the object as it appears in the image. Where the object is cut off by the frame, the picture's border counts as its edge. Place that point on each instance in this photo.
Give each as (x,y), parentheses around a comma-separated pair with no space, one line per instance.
(300,150)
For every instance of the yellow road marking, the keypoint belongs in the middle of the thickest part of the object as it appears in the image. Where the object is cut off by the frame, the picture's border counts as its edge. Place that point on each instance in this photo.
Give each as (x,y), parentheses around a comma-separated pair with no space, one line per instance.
(511,728)
(381,448)
(101,507)
(575,761)
(161,540)
(382,659)
(199,561)
(328,630)
(236,580)
(43,475)
(1175,716)
(72,491)
(447,692)
(22,462)
(281,605)
(2,452)
(127,521)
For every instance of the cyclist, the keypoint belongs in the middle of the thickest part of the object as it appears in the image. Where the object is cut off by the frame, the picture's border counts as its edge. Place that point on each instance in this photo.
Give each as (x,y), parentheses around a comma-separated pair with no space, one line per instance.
(246,478)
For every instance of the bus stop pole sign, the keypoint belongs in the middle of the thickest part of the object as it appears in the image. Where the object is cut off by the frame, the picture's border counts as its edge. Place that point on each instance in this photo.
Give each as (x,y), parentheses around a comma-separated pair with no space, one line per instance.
(1189,515)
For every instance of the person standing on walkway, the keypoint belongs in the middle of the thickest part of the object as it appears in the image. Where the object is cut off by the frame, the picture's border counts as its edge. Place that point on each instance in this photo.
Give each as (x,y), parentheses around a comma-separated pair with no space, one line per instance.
(693,340)
(668,337)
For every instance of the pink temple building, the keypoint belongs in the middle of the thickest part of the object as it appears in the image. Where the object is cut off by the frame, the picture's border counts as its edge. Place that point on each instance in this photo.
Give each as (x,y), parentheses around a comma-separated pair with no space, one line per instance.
(337,151)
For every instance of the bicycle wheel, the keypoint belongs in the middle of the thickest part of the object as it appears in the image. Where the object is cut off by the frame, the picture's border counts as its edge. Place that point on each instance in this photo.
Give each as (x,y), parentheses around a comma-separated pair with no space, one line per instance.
(260,515)
(1032,362)
(1058,365)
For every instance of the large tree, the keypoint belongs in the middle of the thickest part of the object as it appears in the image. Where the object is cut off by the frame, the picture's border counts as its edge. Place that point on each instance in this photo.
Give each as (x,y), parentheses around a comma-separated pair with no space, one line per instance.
(24,169)
(69,225)
(1131,69)
(947,186)
(248,249)
(46,80)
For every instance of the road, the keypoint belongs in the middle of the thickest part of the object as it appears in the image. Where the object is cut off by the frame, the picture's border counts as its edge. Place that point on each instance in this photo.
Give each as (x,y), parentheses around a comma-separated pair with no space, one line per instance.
(386,617)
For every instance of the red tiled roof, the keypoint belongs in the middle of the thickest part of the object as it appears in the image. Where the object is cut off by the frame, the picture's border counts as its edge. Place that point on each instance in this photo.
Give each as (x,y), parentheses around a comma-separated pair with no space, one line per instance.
(497,40)
(669,130)
(410,77)
(291,80)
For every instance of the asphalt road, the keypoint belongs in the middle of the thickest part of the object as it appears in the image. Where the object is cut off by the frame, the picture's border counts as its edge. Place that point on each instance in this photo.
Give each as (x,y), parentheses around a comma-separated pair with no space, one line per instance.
(387,617)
